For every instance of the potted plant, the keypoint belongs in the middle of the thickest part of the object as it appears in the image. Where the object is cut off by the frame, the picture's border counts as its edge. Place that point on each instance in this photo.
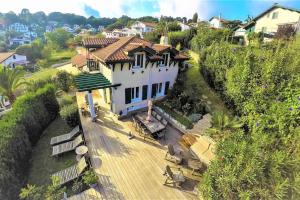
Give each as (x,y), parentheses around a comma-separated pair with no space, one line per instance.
(90,178)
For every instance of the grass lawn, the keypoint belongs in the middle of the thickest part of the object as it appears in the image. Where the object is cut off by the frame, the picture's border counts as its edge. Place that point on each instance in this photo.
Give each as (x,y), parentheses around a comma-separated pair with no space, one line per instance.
(196,85)
(42,164)
(61,55)
(42,74)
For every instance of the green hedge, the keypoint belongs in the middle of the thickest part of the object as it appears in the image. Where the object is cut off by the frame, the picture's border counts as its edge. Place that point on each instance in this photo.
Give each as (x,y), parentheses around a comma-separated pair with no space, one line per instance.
(70,114)
(180,118)
(20,129)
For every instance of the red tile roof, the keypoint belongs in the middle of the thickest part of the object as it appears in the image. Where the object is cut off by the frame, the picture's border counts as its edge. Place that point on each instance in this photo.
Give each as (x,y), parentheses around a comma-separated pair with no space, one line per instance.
(79,60)
(118,51)
(5,55)
(150,24)
(98,42)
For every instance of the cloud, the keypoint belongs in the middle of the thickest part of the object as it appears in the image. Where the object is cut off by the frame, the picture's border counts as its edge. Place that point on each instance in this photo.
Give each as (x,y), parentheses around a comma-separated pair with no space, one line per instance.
(90,11)
(185,8)
(113,8)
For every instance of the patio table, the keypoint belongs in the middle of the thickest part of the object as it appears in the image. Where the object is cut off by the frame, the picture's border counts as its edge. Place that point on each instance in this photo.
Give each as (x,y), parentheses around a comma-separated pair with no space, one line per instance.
(81,150)
(153,126)
(194,165)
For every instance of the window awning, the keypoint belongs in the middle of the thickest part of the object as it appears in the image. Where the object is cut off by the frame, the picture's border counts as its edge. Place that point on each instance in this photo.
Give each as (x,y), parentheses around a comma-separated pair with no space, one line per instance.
(92,81)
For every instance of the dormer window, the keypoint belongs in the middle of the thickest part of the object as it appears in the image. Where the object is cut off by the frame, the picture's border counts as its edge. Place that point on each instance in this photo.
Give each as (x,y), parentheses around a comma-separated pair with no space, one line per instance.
(165,60)
(138,60)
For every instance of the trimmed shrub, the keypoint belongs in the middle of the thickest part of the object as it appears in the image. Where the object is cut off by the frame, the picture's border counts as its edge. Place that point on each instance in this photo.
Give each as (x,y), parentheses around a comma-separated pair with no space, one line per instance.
(65,100)
(70,114)
(20,129)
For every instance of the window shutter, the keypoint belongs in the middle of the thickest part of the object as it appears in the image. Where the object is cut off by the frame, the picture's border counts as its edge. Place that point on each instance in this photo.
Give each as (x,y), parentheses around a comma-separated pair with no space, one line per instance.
(137,92)
(142,61)
(127,95)
(167,87)
(145,92)
(153,93)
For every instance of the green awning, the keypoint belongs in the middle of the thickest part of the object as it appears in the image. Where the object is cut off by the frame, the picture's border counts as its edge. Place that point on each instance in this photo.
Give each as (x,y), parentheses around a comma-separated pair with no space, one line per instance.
(92,81)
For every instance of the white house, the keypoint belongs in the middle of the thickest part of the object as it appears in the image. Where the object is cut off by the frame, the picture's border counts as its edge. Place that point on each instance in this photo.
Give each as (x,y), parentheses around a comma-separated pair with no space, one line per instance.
(143,27)
(274,17)
(130,71)
(183,26)
(21,40)
(11,59)
(18,27)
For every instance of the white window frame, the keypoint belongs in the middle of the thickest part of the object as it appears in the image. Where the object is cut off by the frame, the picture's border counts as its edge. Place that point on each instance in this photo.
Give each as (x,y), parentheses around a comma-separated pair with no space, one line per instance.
(135,66)
(162,63)
(160,86)
(136,96)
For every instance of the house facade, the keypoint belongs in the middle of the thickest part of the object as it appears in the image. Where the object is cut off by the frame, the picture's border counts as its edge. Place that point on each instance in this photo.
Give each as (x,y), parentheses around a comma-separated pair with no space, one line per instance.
(217,22)
(276,16)
(138,71)
(143,27)
(11,60)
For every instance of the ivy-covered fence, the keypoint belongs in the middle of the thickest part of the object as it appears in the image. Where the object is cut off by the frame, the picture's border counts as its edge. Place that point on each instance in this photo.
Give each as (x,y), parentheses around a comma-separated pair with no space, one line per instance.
(20,129)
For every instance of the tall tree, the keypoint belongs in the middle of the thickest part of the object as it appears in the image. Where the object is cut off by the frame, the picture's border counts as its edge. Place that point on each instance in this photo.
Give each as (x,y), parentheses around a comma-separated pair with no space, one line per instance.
(195,17)
(10,80)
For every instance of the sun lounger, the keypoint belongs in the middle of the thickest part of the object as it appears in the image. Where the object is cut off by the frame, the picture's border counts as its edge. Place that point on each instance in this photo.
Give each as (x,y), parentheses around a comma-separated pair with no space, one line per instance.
(72,172)
(65,137)
(68,146)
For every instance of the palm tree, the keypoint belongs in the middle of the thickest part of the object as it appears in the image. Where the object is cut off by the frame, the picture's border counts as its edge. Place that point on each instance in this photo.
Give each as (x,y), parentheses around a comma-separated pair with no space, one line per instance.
(222,125)
(10,80)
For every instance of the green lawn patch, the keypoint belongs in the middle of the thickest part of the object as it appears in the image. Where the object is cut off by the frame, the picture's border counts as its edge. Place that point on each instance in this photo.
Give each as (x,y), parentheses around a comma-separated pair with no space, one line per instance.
(61,55)
(42,74)
(42,163)
(179,117)
(195,85)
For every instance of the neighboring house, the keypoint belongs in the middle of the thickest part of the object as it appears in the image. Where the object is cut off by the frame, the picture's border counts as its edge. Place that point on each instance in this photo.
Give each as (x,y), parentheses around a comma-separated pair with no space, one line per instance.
(11,59)
(114,34)
(49,28)
(100,28)
(269,21)
(183,26)
(131,71)
(16,41)
(67,28)
(143,27)
(239,34)
(18,27)
(79,61)
(217,22)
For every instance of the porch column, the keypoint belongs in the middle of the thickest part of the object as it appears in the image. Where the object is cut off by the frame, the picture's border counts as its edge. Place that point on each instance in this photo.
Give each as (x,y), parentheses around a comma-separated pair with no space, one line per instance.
(91,105)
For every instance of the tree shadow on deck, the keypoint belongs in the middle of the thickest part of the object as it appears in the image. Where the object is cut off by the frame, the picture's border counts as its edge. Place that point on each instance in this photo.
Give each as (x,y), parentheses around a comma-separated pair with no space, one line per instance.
(108,190)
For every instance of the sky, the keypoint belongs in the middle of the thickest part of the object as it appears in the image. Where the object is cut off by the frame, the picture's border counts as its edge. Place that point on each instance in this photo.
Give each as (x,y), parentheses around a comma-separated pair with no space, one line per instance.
(228,9)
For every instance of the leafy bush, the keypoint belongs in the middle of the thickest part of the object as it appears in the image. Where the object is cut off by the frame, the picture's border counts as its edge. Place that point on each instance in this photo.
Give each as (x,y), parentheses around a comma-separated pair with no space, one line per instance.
(65,100)
(64,80)
(90,177)
(70,114)
(181,37)
(261,161)
(20,128)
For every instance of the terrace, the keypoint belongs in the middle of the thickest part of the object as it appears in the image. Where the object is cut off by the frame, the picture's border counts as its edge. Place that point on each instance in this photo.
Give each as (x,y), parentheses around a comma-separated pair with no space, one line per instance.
(132,168)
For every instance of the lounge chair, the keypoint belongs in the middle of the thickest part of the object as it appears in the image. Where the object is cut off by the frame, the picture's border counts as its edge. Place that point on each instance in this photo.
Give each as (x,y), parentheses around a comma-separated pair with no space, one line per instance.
(158,117)
(176,177)
(164,122)
(153,113)
(171,155)
(65,137)
(162,134)
(68,146)
(72,172)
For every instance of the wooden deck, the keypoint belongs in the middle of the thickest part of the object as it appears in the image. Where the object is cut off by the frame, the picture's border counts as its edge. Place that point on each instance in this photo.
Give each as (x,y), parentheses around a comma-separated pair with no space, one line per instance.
(90,194)
(131,169)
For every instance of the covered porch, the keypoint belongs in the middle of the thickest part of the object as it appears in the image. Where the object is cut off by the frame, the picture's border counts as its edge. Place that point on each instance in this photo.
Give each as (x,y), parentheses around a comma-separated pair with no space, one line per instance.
(94,91)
